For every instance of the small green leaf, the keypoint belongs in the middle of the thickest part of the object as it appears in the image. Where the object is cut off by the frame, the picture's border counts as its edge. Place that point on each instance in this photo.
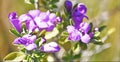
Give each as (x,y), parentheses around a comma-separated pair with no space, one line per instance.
(76,45)
(98,43)
(13,31)
(37,40)
(96,34)
(77,56)
(15,56)
(102,28)
(83,46)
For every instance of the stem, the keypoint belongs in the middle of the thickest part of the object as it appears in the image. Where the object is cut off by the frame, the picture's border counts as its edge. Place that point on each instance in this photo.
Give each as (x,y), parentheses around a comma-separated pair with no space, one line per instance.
(36,4)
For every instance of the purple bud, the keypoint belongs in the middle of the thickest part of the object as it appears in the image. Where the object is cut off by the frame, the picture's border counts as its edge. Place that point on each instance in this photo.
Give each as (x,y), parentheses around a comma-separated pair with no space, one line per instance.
(43,40)
(50,47)
(68,5)
(15,22)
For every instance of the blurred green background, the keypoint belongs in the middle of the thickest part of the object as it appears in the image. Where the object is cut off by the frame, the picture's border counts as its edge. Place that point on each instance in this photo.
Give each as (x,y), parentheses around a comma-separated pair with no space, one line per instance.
(101,12)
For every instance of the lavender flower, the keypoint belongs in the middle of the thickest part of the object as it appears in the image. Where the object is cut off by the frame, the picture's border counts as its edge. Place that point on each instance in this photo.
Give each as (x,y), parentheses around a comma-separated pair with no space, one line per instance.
(68,5)
(78,13)
(15,22)
(27,41)
(80,34)
(46,20)
(50,47)
(34,19)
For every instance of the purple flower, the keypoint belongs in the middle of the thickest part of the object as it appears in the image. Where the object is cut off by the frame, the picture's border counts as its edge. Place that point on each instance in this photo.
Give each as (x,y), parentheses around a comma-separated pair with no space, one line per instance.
(74,34)
(27,41)
(50,47)
(80,34)
(68,5)
(15,22)
(46,20)
(78,13)
(34,19)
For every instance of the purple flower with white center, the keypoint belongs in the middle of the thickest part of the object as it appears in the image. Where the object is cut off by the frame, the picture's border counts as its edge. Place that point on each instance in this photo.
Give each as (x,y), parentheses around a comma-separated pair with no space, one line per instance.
(78,13)
(68,5)
(27,41)
(74,34)
(50,47)
(15,22)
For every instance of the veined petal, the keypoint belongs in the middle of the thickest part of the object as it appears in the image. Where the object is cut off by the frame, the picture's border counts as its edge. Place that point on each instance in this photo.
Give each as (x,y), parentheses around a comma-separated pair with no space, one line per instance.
(50,47)
(16,24)
(34,13)
(31,46)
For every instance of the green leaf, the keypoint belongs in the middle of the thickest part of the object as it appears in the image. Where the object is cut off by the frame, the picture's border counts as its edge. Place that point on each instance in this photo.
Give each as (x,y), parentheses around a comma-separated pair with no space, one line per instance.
(29,1)
(49,35)
(102,28)
(91,26)
(96,34)
(15,56)
(13,31)
(98,43)
(83,46)
(37,41)
(77,56)
(76,45)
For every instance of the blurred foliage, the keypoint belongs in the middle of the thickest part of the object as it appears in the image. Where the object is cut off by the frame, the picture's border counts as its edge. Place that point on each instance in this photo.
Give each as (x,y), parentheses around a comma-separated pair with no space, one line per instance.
(102,12)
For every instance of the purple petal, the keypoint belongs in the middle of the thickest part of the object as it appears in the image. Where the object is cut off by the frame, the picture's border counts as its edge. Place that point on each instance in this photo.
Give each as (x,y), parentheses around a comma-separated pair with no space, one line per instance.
(18,41)
(12,15)
(74,34)
(31,38)
(24,17)
(85,27)
(70,29)
(16,24)
(31,46)
(82,8)
(50,47)
(31,26)
(86,38)
(34,13)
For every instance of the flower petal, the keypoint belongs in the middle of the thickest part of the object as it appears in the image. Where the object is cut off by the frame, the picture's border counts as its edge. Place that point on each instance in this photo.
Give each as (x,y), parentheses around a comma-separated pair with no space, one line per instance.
(31,46)
(50,47)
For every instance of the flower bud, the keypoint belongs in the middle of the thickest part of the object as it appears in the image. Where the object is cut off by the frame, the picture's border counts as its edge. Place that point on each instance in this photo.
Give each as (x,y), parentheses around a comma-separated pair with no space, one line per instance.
(68,5)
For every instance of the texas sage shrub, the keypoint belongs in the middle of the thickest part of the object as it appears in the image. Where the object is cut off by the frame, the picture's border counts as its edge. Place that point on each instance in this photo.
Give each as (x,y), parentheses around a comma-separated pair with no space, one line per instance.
(40,34)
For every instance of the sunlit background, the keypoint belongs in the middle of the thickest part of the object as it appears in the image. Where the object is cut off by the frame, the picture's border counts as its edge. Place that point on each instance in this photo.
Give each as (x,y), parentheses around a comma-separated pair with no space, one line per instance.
(100,12)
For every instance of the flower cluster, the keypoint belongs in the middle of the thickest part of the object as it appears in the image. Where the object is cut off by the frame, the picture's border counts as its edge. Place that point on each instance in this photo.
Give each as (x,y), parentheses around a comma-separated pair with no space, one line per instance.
(35,20)
(79,31)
